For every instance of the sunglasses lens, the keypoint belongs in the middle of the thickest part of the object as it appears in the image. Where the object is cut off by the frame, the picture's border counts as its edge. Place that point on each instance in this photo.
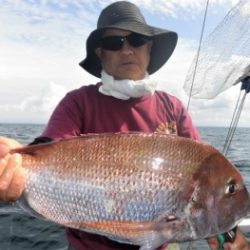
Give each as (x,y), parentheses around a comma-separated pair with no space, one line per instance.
(112,42)
(137,40)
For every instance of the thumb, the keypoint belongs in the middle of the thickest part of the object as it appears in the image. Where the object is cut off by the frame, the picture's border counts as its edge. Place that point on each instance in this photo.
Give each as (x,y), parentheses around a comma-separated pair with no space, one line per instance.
(11,143)
(4,150)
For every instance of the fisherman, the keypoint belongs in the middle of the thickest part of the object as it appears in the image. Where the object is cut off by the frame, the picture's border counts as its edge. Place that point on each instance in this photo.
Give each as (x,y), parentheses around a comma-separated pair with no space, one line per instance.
(123,52)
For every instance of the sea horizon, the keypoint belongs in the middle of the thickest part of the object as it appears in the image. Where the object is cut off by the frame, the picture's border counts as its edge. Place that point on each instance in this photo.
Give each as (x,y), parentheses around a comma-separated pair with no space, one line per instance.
(44,124)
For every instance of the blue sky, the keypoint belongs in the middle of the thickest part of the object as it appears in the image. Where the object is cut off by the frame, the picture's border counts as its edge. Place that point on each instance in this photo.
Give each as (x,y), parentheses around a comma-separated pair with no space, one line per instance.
(42,41)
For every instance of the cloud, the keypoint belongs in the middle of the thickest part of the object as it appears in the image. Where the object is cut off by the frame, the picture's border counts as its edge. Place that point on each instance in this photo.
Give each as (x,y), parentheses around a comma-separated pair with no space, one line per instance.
(219,111)
(183,9)
(55,25)
(39,105)
(44,102)
(175,70)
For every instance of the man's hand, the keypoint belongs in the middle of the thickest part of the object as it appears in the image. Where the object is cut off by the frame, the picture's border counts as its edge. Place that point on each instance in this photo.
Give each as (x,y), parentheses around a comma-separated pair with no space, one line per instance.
(240,243)
(12,179)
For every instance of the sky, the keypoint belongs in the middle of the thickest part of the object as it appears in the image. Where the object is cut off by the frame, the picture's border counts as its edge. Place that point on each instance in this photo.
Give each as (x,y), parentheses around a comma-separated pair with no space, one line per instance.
(42,42)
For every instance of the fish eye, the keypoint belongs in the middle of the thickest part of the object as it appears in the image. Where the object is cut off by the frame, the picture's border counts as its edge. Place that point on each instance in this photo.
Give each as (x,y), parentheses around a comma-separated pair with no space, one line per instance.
(231,188)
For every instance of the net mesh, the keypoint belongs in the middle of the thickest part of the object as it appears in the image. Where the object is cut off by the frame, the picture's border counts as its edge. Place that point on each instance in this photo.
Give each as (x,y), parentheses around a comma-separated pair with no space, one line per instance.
(224,56)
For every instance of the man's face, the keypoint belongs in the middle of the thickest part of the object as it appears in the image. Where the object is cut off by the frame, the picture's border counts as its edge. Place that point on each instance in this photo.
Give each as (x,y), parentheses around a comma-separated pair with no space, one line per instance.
(128,62)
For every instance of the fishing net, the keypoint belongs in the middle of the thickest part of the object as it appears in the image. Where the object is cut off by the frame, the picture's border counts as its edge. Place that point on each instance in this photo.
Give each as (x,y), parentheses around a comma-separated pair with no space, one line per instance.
(224,57)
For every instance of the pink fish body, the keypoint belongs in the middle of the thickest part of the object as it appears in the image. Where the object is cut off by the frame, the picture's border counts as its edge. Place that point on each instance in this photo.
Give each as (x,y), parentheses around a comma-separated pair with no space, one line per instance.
(142,189)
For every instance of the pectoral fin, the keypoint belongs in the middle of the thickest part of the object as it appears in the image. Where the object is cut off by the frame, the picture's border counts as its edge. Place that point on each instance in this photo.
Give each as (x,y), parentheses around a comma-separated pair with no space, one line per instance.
(151,240)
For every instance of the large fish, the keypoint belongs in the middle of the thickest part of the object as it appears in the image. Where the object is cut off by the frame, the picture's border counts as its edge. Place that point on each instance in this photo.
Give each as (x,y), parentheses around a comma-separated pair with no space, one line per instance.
(142,189)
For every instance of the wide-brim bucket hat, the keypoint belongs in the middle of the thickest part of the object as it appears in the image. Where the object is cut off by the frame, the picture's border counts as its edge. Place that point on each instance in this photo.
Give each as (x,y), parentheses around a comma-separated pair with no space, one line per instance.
(127,16)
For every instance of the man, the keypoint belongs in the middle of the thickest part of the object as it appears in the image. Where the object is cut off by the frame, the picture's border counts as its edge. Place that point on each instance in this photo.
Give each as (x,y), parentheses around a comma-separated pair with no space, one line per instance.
(123,51)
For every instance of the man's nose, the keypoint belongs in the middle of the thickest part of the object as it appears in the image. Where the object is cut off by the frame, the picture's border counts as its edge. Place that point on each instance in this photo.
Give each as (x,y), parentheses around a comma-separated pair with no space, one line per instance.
(127,48)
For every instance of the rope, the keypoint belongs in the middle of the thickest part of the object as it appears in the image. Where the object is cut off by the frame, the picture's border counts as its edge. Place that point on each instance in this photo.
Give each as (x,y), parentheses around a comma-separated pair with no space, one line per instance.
(230,131)
(198,53)
(236,116)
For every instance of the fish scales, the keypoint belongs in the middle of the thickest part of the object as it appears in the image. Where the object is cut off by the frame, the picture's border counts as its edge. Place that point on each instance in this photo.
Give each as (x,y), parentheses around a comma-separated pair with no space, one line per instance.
(104,168)
(137,188)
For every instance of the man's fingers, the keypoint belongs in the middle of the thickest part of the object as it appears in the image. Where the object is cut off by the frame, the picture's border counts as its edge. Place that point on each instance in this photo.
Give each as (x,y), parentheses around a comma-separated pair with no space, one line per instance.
(16,186)
(3,163)
(8,171)
(6,144)
(240,242)
(10,143)
(213,243)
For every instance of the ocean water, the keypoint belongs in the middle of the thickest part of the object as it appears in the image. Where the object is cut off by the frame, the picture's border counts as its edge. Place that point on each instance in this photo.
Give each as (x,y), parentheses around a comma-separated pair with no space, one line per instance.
(19,231)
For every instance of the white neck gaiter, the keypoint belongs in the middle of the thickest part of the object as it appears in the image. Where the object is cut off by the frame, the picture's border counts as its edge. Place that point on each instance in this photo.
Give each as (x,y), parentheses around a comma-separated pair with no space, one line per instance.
(125,89)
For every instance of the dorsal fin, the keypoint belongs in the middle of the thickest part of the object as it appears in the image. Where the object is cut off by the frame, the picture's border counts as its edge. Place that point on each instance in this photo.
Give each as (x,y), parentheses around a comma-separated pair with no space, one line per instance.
(31,149)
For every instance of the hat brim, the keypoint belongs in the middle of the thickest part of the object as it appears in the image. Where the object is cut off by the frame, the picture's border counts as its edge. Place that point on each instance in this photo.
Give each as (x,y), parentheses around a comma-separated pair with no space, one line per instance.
(164,43)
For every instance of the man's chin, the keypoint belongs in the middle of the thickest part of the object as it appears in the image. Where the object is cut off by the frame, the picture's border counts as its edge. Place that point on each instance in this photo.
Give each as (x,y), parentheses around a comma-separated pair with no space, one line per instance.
(130,74)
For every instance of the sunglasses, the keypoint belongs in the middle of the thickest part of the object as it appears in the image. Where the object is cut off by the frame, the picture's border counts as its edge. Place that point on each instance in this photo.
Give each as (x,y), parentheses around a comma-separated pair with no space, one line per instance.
(116,42)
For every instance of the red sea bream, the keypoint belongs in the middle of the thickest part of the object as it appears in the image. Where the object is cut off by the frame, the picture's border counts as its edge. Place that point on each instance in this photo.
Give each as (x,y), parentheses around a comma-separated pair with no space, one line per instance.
(142,189)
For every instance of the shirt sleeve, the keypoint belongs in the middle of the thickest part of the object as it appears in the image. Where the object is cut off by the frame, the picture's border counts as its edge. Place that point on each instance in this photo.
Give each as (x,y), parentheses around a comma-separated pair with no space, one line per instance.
(66,120)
